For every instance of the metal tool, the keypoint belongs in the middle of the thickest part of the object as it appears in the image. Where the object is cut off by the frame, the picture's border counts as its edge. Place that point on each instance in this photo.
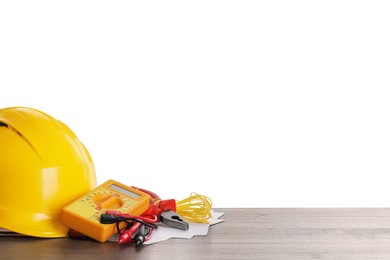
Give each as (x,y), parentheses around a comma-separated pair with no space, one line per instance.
(174,220)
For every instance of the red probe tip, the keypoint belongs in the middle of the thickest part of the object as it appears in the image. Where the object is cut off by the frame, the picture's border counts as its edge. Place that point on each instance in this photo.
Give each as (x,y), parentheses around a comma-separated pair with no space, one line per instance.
(124,238)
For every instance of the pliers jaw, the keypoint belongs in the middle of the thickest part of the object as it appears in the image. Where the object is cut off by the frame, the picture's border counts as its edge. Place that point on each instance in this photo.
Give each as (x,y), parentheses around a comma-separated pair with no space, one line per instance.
(174,220)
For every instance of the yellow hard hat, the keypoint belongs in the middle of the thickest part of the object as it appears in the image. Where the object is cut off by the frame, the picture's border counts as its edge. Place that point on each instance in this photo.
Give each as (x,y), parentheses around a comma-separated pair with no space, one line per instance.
(43,167)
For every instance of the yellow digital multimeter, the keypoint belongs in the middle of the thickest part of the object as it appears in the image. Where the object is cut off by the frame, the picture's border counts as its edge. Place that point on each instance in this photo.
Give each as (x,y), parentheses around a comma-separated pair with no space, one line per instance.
(83,214)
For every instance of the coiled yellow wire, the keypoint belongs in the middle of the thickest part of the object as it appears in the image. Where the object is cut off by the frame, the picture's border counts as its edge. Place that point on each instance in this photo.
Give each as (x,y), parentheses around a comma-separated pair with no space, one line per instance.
(196,208)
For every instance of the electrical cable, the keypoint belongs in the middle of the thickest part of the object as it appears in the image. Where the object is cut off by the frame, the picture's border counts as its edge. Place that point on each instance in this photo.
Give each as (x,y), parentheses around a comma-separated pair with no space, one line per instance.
(196,208)
(138,229)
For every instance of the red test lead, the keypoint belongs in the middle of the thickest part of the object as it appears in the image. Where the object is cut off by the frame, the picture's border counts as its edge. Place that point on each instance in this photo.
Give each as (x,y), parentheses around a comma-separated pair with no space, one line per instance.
(139,228)
(128,234)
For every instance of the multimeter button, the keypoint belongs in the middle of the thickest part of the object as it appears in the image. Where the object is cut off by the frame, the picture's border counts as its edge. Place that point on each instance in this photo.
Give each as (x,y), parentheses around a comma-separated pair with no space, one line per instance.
(107,201)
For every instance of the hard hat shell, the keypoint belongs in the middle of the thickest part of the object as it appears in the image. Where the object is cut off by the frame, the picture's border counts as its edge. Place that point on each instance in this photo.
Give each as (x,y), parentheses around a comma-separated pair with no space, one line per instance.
(43,167)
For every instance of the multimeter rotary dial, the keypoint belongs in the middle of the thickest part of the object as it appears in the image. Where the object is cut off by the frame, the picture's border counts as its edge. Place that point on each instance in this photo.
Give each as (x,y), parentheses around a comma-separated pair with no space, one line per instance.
(107,201)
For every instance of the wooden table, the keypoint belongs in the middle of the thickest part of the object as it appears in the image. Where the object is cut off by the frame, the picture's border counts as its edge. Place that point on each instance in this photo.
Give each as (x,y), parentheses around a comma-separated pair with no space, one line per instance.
(258,233)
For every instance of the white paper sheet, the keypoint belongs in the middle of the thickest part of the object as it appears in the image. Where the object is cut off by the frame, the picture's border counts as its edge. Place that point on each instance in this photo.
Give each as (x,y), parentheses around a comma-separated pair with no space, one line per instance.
(163,233)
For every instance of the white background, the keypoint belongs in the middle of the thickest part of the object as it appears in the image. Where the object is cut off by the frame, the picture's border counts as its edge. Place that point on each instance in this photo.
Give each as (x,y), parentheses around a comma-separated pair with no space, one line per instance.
(252,103)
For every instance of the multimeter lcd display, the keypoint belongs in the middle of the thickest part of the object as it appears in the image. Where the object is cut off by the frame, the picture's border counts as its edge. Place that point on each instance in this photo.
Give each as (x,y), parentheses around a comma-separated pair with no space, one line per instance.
(127,192)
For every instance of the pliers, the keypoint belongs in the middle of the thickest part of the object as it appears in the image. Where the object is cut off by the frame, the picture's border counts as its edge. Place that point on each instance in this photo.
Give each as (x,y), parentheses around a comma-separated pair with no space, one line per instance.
(174,220)
(166,210)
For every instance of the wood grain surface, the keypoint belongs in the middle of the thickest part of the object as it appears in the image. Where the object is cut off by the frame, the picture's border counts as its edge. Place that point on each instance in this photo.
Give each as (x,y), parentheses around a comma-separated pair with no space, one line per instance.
(256,233)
